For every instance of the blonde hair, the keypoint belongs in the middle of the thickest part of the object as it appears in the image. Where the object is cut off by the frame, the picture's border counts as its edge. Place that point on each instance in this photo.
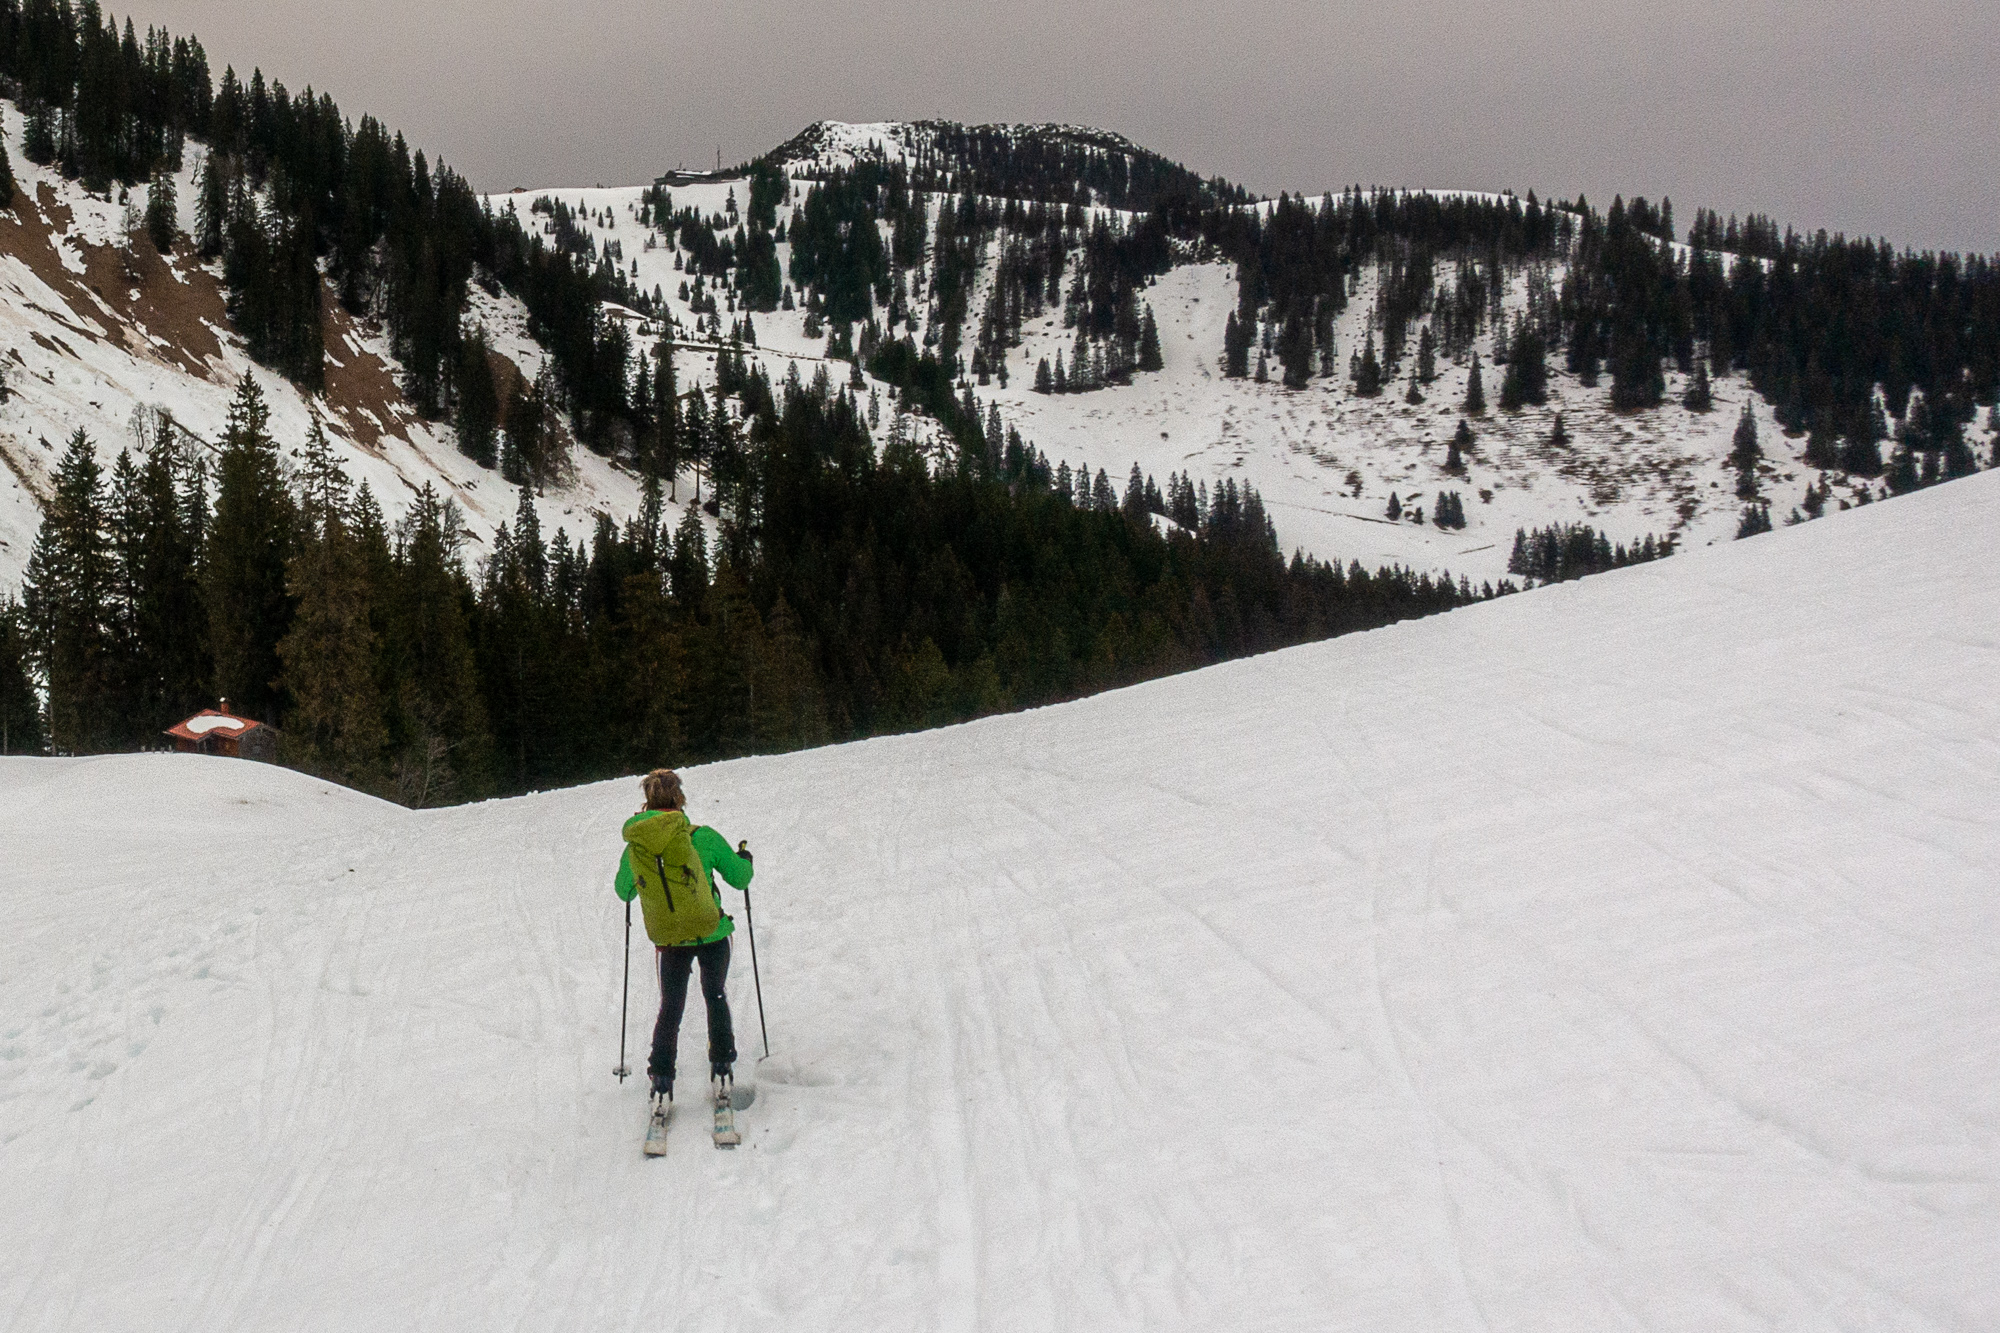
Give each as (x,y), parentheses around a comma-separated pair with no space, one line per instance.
(663,790)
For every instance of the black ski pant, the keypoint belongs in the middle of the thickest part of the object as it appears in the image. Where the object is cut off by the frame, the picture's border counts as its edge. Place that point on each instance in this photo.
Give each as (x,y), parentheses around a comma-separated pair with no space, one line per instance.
(675,964)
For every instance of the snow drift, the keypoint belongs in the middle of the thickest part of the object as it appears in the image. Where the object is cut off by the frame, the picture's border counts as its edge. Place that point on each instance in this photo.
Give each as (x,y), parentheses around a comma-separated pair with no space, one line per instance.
(1620,955)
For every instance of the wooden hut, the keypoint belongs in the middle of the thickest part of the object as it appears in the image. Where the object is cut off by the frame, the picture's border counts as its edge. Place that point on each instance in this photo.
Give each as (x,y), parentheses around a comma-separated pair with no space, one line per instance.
(216,731)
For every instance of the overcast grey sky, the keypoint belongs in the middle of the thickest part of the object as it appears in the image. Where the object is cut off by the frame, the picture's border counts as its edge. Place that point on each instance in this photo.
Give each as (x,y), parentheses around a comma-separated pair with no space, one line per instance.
(1866,116)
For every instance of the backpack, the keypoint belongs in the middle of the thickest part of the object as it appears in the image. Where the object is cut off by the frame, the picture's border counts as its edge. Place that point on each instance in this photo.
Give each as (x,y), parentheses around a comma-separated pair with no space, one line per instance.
(679,900)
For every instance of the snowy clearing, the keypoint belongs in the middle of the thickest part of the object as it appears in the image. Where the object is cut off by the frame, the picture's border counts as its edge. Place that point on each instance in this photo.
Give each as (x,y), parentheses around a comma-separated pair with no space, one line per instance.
(1620,955)
(1325,460)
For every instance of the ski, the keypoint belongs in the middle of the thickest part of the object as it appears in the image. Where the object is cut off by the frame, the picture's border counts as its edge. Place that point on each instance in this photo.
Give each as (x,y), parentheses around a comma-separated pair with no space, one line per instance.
(725,1117)
(656,1127)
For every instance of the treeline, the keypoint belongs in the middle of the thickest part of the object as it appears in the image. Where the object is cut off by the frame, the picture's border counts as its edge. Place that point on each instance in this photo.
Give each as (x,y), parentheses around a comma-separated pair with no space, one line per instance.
(845,591)
(1046,164)
(1860,347)
(107,106)
(290,188)
(914,288)
(1565,551)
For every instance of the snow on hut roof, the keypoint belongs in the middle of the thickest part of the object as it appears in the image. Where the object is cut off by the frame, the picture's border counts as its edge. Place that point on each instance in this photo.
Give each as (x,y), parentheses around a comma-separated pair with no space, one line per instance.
(208,722)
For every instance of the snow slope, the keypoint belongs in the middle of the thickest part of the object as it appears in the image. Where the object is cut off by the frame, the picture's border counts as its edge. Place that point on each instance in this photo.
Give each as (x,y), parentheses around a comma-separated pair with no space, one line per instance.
(97,332)
(1325,460)
(1619,955)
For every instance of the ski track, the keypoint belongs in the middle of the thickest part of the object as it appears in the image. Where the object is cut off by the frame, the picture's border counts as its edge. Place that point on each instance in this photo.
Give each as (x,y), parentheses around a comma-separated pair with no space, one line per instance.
(1617,956)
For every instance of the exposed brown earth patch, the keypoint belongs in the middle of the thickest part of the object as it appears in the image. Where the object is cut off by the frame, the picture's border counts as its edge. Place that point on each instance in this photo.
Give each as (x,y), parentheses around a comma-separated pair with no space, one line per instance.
(26,234)
(170,312)
(506,376)
(170,309)
(33,479)
(127,295)
(361,392)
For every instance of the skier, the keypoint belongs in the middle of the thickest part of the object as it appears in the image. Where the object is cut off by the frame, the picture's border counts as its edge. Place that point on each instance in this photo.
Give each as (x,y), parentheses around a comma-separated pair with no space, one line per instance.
(670,864)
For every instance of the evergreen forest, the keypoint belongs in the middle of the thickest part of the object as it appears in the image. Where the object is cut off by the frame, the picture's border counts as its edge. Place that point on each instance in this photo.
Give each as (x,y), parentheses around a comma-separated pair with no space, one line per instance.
(848,591)
(846,583)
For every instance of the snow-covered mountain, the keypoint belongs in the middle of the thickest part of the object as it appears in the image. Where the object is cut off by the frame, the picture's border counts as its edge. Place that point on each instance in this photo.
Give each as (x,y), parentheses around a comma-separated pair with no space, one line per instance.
(1326,460)
(1614,956)
(96,327)
(99,332)
(829,144)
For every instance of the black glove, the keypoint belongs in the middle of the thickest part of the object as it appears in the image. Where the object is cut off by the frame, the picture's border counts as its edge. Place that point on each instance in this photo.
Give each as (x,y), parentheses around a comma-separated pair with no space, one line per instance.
(743,850)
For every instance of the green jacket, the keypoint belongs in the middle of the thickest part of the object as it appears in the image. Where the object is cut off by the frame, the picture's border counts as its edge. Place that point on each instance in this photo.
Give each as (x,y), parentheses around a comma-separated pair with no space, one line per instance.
(716,855)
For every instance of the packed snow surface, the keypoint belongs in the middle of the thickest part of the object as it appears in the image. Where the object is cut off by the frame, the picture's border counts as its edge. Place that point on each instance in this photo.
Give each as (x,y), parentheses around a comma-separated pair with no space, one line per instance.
(1616,956)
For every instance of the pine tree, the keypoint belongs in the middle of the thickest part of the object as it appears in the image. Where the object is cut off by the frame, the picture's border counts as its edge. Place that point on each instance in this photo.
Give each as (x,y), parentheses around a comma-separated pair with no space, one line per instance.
(212,205)
(1700,397)
(478,415)
(439,737)
(1135,495)
(789,706)
(1415,395)
(1815,499)
(162,212)
(1527,379)
(537,453)
(654,694)
(1637,381)
(249,542)
(172,623)
(687,568)
(1235,348)
(1475,390)
(334,726)
(1427,356)
(1295,351)
(125,513)
(1744,454)
(1461,445)
(68,595)
(21,729)
(1902,471)
(1558,434)
(1045,381)
(665,462)
(6,178)
(38,136)
(160,623)
(1862,457)
(1149,344)
(1368,371)
(1395,510)
(1102,498)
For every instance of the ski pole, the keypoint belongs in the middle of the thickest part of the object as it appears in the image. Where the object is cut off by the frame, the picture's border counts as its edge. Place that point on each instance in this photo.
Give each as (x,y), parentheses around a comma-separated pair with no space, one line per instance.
(750,920)
(626,1003)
